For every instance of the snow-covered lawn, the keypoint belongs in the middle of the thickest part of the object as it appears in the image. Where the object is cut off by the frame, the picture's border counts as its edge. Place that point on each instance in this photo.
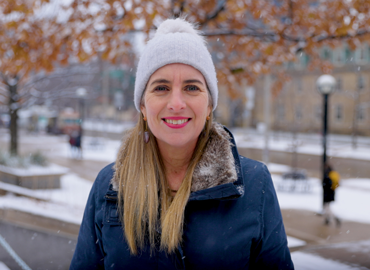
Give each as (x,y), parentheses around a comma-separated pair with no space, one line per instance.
(295,242)
(66,204)
(98,149)
(51,169)
(351,194)
(107,127)
(338,145)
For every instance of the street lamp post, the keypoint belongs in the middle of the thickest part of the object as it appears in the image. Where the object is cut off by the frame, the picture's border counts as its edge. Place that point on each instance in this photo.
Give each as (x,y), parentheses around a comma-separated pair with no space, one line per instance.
(81,93)
(360,86)
(325,85)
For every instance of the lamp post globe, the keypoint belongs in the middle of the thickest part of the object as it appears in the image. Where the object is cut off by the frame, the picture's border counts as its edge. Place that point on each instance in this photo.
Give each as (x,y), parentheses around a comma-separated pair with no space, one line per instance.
(325,85)
(81,94)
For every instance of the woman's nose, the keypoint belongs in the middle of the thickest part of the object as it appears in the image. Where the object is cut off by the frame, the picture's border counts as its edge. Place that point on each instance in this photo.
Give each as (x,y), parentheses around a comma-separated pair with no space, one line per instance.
(176,101)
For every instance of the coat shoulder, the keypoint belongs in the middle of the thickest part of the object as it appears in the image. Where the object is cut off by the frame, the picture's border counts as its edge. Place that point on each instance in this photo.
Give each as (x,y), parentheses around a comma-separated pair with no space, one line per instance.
(104,178)
(256,176)
(251,165)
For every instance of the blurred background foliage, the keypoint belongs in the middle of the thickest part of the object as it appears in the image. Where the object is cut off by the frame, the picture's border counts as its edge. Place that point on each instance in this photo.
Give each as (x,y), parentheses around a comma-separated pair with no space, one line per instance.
(246,38)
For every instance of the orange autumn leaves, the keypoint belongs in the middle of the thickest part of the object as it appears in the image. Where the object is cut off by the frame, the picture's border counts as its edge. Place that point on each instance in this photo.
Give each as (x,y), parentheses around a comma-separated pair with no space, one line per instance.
(246,37)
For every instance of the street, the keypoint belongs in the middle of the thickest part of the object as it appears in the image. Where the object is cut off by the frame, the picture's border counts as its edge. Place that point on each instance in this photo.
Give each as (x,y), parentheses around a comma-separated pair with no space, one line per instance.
(39,250)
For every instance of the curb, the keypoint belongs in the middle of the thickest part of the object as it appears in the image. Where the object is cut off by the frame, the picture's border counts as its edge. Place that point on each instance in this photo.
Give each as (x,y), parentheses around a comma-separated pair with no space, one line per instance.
(39,223)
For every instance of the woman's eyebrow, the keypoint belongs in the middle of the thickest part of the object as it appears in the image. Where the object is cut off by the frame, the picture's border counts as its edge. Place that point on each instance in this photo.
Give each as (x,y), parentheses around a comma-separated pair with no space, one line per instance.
(193,81)
(160,81)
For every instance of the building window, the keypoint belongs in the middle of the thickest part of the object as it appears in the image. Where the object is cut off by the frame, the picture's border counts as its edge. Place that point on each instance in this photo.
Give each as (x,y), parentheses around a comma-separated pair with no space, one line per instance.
(326,54)
(304,60)
(339,84)
(339,112)
(339,56)
(361,54)
(361,83)
(348,54)
(361,113)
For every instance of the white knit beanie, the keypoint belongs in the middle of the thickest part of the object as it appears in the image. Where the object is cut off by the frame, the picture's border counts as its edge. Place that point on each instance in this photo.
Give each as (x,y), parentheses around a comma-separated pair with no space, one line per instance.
(176,41)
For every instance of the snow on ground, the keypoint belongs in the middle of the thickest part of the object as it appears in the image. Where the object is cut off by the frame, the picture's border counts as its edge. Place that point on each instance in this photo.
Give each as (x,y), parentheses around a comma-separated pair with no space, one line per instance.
(278,168)
(3,266)
(73,192)
(66,204)
(35,170)
(94,148)
(359,183)
(305,261)
(99,149)
(295,242)
(350,198)
(356,247)
(338,145)
(108,127)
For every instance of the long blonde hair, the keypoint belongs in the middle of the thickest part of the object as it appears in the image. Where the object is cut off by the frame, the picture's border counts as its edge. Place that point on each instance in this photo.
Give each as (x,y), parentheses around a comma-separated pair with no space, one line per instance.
(144,194)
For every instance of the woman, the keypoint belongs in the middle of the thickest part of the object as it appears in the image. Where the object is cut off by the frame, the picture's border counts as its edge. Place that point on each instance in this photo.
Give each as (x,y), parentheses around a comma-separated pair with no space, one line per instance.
(179,195)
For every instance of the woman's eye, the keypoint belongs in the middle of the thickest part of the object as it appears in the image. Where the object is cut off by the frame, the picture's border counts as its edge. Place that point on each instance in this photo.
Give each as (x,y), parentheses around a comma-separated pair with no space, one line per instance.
(192,88)
(160,88)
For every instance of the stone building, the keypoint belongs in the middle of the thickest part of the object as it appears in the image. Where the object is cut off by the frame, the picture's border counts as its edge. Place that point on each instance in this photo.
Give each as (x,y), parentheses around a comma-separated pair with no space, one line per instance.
(298,106)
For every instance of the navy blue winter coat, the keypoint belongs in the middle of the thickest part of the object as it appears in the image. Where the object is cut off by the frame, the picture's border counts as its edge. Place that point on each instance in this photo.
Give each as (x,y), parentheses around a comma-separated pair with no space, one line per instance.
(225,227)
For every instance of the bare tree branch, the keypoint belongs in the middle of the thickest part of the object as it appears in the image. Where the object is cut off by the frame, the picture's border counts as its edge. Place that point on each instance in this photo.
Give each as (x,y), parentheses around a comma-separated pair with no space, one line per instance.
(291,11)
(57,76)
(215,13)
(273,36)
(359,33)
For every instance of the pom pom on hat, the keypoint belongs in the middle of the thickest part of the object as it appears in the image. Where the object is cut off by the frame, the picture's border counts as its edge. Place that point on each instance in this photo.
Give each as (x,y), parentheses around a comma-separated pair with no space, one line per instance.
(178,25)
(175,41)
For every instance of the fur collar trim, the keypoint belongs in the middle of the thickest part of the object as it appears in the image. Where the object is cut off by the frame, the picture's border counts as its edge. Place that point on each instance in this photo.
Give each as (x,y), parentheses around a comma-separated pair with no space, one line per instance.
(216,167)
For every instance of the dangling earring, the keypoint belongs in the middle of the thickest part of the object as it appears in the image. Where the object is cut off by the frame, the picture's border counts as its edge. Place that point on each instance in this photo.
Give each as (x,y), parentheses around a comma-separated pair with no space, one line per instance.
(208,117)
(146,133)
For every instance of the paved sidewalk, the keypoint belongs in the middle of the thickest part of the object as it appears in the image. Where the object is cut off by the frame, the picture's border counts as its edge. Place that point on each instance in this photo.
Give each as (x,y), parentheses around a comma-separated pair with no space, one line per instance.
(349,243)
(87,169)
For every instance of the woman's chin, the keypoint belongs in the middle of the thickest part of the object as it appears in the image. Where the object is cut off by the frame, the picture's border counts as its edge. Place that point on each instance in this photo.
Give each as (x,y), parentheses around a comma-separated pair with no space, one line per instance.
(177,141)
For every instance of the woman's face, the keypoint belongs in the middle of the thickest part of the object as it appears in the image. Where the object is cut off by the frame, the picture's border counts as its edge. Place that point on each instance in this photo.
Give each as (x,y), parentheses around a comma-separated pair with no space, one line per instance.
(176,105)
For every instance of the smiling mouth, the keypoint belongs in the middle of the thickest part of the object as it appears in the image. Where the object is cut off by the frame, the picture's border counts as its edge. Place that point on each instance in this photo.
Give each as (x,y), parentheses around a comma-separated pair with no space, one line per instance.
(176,122)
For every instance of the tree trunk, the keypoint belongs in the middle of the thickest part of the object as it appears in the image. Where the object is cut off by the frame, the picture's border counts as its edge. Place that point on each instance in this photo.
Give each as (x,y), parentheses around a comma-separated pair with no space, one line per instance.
(13,112)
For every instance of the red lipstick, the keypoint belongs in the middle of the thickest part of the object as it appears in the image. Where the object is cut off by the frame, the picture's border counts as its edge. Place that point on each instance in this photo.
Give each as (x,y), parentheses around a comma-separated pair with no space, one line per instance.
(176,121)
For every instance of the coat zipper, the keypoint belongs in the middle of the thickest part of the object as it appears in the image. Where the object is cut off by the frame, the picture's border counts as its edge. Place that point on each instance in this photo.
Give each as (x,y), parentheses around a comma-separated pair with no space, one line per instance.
(113,198)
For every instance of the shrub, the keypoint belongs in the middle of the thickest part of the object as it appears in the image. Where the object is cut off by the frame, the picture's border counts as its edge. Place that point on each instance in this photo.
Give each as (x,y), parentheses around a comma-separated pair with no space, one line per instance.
(38,159)
(20,161)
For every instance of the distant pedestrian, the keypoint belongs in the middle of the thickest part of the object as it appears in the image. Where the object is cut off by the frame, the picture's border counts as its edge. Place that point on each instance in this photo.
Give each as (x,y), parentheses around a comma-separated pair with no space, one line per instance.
(75,139)
(330,183)
(72,141)
(78,143)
